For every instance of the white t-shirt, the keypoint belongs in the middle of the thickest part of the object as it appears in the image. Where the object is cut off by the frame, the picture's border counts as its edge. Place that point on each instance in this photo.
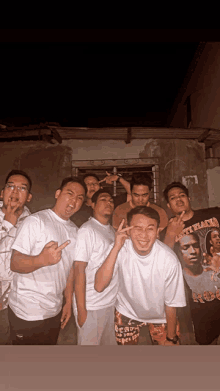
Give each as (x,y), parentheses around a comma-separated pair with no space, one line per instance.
(39,295)
(147,283)
(93,246)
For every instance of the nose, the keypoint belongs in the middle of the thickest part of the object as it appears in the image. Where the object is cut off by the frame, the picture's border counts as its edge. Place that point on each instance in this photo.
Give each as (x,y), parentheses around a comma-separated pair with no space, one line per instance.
(192,250)
(15,189)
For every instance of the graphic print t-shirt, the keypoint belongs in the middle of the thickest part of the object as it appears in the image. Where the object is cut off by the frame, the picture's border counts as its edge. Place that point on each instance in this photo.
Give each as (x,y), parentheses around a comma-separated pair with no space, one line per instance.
(203,289)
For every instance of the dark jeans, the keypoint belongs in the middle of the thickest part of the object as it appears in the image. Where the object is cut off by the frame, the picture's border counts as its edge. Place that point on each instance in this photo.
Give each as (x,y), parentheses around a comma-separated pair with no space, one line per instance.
(40,332)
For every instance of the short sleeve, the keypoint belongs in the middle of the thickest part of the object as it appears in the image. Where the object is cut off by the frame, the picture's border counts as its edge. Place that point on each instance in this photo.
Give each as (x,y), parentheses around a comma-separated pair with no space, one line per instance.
(27,235)
(84,245)
(174,286)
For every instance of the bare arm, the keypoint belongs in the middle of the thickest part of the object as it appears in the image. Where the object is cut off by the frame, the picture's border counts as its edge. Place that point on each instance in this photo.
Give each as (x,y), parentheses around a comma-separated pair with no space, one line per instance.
(105,272)
(80,291)
(113,177)
(174,228)
(68,294)
(50,255)
(171,321)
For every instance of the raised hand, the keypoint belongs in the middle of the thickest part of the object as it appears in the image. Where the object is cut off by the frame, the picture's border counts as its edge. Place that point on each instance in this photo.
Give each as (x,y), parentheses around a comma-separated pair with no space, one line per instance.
(121,235)
(51,253)
(109,178)
(176,225)
(12,212)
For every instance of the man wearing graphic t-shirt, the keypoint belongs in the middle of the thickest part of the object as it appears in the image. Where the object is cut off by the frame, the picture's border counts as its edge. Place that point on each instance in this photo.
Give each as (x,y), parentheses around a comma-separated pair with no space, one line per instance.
(190,232)
(150,280)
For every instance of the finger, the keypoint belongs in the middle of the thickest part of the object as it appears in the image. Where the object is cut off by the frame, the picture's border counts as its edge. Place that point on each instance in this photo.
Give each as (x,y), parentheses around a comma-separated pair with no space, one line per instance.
(51,243)
(108,173)
(102,180)
(181,216)
(62,246)
(126,229)
(121,225)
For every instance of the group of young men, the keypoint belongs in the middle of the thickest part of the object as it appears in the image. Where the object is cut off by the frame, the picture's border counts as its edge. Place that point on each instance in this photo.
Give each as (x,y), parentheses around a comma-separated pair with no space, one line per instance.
(122,270)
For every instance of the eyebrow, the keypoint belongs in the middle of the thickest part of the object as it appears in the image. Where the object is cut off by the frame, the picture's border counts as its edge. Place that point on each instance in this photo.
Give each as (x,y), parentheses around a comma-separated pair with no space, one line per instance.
(23,184)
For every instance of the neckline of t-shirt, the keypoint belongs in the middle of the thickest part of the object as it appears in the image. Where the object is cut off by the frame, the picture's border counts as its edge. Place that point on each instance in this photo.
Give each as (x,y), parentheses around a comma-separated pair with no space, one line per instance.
(98,222)
(67,222)
(142,256)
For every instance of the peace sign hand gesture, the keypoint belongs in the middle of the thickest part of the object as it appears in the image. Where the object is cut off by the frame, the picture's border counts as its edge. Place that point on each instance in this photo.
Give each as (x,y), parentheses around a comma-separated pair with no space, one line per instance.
(121,235)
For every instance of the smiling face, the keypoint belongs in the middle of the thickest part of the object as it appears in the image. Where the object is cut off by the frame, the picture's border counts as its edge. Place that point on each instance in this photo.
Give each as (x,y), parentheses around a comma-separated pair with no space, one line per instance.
(140,195)
(104,207)
(92,185)
(69,200)
(16,191)
(178,201)
(143,234)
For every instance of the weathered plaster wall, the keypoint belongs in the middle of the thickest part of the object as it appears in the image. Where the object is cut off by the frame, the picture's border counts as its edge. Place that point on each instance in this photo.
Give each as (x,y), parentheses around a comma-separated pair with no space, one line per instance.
(49,164)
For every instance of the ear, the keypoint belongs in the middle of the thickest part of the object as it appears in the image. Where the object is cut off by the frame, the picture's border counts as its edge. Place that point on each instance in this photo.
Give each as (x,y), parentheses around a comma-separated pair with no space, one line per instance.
(168,205)
(2,193)
(29,197)
(57,193)
(158,232)
(93,205)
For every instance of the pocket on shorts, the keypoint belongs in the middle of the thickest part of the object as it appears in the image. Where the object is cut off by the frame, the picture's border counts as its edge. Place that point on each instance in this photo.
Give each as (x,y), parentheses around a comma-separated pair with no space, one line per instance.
(80,327)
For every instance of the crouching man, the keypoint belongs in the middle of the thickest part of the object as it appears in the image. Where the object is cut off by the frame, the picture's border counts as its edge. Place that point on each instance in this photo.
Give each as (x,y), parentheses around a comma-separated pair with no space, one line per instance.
(150,281)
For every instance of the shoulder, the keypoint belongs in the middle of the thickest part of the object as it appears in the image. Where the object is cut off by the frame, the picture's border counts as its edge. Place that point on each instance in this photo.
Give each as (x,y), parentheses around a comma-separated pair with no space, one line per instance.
(123,207)
(166,251)
(157,208)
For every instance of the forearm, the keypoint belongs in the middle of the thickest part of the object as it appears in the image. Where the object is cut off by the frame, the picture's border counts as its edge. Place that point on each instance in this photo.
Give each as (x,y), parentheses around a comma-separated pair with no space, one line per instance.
(68,293)
(80,289)
(22,263)
(125,184)
(171,321)
(105,272)
(169,240)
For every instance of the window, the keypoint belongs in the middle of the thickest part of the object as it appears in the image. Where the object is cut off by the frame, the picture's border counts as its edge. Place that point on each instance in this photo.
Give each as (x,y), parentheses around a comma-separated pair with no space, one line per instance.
(126,167)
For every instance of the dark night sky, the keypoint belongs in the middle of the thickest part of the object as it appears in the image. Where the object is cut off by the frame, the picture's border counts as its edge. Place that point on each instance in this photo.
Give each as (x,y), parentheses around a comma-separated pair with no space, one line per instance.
(93,84)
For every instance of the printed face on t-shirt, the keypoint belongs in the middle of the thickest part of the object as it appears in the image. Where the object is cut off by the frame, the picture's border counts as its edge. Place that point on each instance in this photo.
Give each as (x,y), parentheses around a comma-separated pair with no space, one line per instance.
(178,201)
(16,192)
(69,200)
(191,252)
(140,195)
(92,185)
(143,234)
(215,241)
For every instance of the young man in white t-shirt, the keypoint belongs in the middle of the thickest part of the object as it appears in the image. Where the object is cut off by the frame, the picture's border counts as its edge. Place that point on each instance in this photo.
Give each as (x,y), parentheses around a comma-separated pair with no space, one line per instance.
(42,259)
(94,312)
(150,280)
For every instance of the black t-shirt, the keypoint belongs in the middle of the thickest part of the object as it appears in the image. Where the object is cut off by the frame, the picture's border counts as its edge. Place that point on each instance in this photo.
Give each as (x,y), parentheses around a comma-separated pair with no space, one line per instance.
(203,290)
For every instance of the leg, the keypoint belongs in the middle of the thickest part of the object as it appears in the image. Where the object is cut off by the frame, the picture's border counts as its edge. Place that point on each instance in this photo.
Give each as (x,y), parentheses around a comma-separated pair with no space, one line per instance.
(88,333)
(106,326)
(127,331)
(4,328)
(42,332)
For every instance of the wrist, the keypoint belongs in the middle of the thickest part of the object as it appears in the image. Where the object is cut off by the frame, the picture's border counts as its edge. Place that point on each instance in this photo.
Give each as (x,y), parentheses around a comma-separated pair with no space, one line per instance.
(174,340)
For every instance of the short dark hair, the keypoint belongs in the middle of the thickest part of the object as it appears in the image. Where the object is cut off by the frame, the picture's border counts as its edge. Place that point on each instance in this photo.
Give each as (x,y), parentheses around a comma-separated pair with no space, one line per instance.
(101,191)
(141,179)
(143,210)
(171,186)
(72,179)
(91,174)
(20,172)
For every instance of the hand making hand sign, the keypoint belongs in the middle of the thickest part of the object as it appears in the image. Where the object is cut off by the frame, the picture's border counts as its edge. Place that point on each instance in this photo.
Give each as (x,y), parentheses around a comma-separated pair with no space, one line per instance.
(52,253)
(121,235)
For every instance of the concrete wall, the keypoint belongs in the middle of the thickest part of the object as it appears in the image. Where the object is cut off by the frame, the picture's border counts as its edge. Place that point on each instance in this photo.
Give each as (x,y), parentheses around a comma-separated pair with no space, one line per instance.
(204,88)
(49,164)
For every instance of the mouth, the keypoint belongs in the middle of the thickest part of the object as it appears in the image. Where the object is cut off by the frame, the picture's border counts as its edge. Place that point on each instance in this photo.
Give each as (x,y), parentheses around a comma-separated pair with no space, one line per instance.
(70,208)
(143,243)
